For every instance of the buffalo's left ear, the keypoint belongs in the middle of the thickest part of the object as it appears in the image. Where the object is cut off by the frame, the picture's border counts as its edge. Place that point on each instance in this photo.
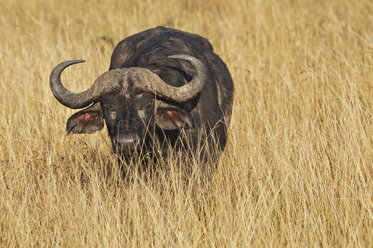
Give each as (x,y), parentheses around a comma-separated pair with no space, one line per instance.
(88,120)
(170,117)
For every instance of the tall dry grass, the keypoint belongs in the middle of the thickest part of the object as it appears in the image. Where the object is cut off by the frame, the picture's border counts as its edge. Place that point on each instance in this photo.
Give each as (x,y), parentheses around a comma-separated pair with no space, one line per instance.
(298,168)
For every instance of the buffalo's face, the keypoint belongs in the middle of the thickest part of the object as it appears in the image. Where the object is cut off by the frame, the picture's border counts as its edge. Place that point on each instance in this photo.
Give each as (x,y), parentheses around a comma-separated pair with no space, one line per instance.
(131,120)
(127,120)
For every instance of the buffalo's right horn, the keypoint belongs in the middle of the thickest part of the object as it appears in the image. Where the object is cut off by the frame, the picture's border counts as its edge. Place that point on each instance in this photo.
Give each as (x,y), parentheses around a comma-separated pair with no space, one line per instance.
(106,83)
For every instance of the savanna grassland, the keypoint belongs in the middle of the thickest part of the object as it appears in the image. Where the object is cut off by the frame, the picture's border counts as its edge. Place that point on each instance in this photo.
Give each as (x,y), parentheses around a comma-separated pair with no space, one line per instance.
(298,167)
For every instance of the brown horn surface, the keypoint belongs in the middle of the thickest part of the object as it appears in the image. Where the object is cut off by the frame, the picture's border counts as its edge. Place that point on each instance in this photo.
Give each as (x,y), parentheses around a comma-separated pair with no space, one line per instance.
(155,84)
(115,79)
(106,83)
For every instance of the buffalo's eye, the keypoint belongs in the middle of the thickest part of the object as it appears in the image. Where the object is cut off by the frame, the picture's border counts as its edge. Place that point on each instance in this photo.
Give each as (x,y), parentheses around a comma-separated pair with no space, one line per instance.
(112,114)
(144,102)
(147,106)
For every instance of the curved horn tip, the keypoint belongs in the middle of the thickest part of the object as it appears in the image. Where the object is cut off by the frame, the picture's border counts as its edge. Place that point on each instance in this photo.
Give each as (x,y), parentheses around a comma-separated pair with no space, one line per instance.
(63,95)
(63,65)
(70,62)
(181,56)
(57,70)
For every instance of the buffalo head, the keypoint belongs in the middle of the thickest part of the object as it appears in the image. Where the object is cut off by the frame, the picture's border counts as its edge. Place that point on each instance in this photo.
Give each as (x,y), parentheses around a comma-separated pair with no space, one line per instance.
(132,101)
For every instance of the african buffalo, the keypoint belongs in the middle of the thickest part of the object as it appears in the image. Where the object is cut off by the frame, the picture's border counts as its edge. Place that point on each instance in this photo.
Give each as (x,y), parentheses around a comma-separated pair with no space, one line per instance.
(164,88)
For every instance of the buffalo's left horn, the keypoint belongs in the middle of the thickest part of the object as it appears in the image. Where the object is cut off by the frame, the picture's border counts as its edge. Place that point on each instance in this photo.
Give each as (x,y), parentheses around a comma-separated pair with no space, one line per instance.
(178,94)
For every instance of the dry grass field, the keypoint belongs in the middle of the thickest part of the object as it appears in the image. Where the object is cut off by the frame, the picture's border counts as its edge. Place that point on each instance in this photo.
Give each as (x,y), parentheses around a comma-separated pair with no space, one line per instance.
(298,168)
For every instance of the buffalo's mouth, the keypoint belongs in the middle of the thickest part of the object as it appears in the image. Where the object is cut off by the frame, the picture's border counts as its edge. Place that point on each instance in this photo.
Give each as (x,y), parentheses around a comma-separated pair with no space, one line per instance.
(126,143)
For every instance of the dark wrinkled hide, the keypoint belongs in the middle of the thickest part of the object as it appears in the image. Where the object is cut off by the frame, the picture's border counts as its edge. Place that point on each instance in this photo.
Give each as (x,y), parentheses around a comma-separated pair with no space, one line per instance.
(151,124)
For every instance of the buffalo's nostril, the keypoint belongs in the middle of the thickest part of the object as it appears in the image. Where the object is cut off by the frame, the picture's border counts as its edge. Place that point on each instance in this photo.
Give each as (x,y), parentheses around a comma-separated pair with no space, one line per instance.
(126,142)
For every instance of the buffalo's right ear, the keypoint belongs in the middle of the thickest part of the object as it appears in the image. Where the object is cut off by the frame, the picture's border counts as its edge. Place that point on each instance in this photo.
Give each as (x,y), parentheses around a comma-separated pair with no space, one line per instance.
(88,120)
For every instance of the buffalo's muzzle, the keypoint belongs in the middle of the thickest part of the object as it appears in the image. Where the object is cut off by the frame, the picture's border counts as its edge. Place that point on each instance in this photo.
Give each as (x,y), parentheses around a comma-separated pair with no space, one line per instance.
(126,142)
